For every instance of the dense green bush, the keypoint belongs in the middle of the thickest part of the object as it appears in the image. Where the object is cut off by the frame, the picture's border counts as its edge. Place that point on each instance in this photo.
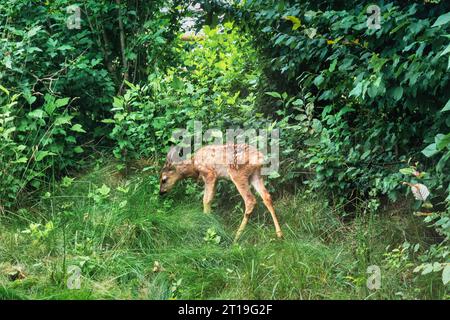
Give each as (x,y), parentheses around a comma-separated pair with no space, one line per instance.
(40,55)
(34,145)
(47,61)
(215,84)
(377,93)
(115,41)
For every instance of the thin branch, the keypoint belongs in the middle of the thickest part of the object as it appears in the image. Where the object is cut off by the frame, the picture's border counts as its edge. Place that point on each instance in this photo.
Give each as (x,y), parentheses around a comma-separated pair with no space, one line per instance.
(122,47)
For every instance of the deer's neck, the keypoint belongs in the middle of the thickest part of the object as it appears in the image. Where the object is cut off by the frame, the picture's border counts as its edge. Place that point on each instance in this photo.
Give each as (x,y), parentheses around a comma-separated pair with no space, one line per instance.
(187,169)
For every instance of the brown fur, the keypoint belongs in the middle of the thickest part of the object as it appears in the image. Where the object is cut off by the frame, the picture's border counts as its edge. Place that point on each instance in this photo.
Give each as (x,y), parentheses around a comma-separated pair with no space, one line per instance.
(239,163)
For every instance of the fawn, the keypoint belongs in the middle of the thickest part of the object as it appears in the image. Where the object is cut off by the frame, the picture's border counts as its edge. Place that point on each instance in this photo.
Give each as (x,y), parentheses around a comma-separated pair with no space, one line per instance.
(240,163)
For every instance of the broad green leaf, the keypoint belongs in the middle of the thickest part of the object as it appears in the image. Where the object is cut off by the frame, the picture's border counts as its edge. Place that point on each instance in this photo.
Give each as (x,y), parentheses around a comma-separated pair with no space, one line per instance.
(418,268)
(221,65)
(8,62)
(67,181)
(442,141)
(78,128)
(310,32)
(21,160)
(37,114)
(397,93)
(65,47)
(104,190)
(49,108)
(296,23)
(311,141)
(446,107)
(407,171)
(40,155)
(437,266)
(357,91)
(132,86)
(118,103)
(4,90)
(316,126)
(280,38)
(78,149)
(61,102)
(107,121)
(274,94)
(428,268)
(71,139)
(33,49)
(33,31)
(63,120)
(29,97)
(445,18)
(333,65)
(442,162)
(446,50)
(51,104)
(319,80)
(8,131)
(177,83)
(430,150)
(446,274)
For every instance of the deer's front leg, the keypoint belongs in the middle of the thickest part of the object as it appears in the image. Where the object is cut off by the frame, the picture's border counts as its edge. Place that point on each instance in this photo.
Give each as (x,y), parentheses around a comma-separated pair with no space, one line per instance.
(210,189)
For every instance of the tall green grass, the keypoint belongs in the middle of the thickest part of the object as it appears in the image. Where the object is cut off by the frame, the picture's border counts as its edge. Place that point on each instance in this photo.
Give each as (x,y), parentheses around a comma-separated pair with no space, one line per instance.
(131,244)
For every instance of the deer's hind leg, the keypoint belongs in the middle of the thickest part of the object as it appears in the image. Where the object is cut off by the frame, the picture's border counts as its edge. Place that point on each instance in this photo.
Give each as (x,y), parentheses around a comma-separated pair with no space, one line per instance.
(258,183)
(243,186)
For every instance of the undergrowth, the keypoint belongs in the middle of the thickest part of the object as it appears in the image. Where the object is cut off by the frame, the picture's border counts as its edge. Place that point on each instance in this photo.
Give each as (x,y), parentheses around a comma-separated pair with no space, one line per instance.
(129,243)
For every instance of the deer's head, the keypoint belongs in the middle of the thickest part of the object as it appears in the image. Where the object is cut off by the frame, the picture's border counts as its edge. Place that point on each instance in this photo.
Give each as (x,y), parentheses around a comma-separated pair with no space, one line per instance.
(171,173)
(168,179)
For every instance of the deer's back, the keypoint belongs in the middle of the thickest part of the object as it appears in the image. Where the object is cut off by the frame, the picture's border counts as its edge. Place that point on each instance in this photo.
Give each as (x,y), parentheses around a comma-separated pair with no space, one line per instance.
(222,158)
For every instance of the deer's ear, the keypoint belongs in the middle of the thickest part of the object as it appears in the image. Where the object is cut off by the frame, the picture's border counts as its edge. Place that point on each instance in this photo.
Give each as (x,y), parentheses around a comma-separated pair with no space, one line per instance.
(174,155)
(171,154)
